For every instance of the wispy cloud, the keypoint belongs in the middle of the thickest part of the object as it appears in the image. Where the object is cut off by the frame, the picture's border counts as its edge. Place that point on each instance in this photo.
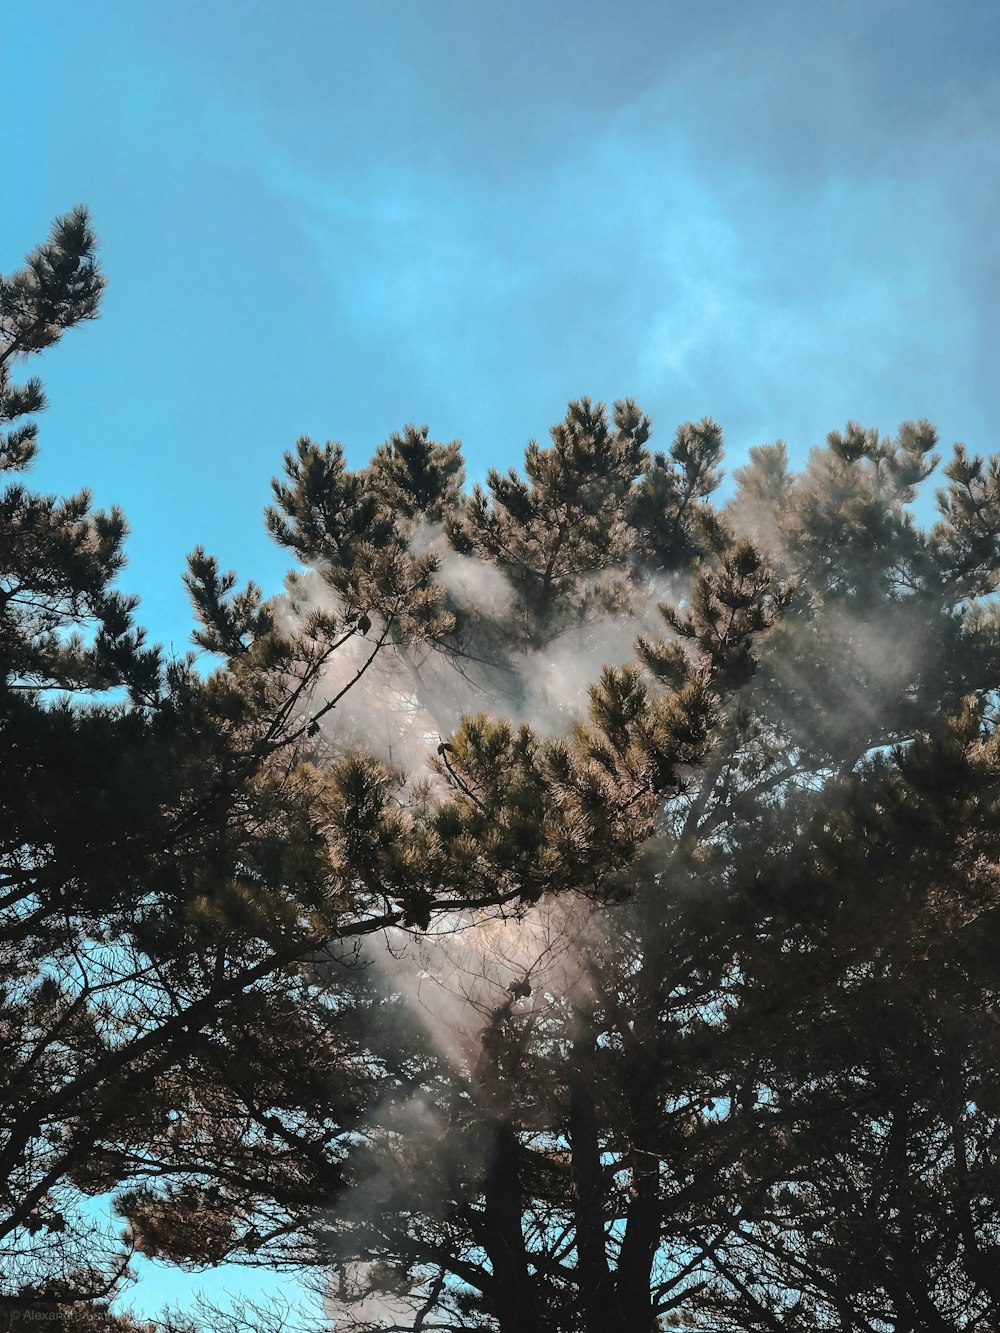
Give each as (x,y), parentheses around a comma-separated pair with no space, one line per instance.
(758,233)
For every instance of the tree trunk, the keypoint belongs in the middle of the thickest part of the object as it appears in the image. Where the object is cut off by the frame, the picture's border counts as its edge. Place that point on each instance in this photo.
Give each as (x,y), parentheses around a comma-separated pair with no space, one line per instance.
(597,1304)
(503,1238)
(642,1225)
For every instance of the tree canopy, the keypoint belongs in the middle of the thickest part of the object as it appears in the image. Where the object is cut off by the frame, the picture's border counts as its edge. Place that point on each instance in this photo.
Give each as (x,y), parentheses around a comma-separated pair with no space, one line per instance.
(572,905)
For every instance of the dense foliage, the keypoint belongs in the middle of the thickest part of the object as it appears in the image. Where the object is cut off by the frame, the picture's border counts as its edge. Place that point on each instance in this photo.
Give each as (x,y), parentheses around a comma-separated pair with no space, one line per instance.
(573,905)
(744,1083)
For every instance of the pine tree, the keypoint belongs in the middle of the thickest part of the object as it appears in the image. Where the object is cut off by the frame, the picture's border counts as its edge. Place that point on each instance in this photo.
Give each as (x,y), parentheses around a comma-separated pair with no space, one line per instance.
(693,806)
(178,858)
(762,1105)
(137,901)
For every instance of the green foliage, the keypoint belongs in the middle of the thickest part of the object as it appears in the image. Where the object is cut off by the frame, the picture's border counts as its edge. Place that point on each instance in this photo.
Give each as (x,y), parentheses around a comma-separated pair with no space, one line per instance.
(566,521)
(758,1102)
(170,857)
(695,1034)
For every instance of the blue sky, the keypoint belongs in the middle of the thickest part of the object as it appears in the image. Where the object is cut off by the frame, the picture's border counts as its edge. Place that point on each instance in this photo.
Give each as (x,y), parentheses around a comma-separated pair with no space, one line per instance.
(337,217)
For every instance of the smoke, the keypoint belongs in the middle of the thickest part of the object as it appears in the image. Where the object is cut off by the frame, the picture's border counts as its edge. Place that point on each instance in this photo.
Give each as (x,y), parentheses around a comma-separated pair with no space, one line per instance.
(471,974)
(467,979)
(849,659)
(411,698)
(553,681)
(457,976)
(383,712)
(359,1300)
(476,584)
